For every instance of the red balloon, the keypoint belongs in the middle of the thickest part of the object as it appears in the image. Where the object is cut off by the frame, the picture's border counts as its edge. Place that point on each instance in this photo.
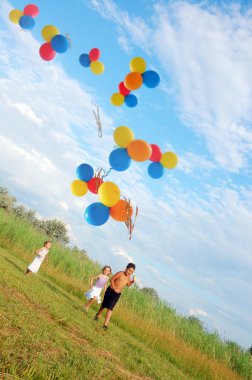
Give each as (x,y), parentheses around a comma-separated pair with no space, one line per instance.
(94,54)
(46,52)
(123,90)
(94,184)
(156,153)
(31,10)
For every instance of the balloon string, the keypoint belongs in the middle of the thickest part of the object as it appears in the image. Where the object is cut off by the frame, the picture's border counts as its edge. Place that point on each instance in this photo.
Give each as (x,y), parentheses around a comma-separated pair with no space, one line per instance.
(69,40)
(96,113)
(106,173)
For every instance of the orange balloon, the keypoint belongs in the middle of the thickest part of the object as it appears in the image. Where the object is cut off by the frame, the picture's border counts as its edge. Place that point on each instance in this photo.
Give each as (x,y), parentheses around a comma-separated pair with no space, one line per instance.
(139,150)
(133,81)
(121,211)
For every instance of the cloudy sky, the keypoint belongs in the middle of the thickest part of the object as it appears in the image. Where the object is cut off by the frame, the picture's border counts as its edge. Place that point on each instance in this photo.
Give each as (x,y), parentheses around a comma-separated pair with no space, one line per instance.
(192,241)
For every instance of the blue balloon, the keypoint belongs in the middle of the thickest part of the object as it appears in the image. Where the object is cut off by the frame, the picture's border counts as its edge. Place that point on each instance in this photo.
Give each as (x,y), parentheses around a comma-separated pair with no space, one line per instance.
(97,214)
(151,78)
(119,159)
(156,170)
(26,22)
(84,172)
(84,60)
(131,100)
(60,43)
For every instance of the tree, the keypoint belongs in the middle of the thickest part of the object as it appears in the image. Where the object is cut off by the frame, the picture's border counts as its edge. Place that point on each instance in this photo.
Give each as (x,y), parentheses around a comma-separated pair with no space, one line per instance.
(151,293)
(195,321)
(24,213)
(7,201)
(55,229)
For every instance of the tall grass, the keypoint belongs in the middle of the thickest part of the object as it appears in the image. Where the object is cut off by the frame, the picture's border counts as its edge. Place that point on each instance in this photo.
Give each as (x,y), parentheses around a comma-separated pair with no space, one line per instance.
(154,322)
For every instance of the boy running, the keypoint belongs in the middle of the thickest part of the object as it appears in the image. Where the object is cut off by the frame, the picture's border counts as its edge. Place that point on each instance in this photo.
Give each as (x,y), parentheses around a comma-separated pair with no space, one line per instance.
(113,292)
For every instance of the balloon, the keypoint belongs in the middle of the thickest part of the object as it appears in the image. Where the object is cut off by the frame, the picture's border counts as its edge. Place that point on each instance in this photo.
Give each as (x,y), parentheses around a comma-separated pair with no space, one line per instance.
(96,214)
(94,184)
(155,170)
(123,90)
(139,150)
(131,100)
(46,52)
(138,65)
(26,22)
(79,188)
(15,16)
(97,67)
(156,153)
(94,54)
(119,159)
(48,32)
(169,160)
(117,99)
(31,10)
(121,211)
(109,193)
(60,43)
(84,60)
(123,136)
(84,172)
(151,79)
(133,81)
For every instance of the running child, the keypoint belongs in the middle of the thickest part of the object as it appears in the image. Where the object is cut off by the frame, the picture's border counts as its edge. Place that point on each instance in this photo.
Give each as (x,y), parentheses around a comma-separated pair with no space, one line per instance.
(93,294)
(41,254)
(113,292)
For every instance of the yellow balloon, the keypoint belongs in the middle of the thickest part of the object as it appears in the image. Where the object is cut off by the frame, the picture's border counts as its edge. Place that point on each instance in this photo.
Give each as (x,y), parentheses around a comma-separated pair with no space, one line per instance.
(117,99)
(109,193)
(123,136)
(138,65)
(15,15)
(79,188)
(169,160)
(97,67)
(49,31)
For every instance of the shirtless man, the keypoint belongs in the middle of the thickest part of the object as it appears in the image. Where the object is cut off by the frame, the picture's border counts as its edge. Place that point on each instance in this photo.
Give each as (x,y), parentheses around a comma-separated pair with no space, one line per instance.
(113,292)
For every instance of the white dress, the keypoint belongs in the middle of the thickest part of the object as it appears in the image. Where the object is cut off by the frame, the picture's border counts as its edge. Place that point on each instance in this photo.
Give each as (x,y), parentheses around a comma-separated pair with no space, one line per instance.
(35,265)
(94,293)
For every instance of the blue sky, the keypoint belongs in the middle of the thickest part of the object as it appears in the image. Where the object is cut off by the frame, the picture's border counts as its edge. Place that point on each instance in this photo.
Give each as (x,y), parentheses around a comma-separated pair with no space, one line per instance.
(192,240)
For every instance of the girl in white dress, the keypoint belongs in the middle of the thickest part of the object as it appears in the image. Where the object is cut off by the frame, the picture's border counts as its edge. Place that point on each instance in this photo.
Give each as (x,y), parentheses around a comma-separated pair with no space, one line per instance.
(40,256)
(93,294)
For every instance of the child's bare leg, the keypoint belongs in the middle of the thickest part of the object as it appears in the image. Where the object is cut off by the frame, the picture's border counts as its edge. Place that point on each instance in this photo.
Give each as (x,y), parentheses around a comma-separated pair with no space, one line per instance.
(89,303)
(108,316)
(99,312)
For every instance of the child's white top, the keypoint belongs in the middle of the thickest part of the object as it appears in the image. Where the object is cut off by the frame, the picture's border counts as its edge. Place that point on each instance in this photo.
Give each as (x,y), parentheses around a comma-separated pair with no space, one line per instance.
(42,253)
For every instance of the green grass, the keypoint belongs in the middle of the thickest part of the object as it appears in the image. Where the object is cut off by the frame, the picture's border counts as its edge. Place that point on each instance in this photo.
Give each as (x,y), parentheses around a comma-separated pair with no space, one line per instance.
(45,334)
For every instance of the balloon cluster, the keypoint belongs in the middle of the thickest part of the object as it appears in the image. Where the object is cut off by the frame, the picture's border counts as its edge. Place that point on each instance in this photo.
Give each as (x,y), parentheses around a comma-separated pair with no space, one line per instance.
(55,43)
(91,60)
(25,19)
(133,81)
(109,194)
(140,151)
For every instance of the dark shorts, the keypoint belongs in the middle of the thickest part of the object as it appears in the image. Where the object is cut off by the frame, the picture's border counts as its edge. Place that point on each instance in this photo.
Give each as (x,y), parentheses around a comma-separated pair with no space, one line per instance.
(110,299)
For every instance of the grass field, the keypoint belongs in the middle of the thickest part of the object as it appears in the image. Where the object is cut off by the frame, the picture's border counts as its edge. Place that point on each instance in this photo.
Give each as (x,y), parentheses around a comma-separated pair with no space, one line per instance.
(45,334)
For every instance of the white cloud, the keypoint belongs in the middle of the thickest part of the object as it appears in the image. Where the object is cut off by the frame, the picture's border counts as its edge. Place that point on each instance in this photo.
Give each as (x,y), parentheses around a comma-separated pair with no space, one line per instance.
(194,311)
(121,252)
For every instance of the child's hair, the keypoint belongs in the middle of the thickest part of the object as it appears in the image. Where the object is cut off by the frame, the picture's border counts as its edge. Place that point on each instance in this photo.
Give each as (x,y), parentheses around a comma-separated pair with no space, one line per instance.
(48,241)
(131,265)
(106,266)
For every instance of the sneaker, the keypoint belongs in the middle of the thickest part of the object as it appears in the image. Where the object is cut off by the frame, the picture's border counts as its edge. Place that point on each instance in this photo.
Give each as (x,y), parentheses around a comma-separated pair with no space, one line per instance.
(105,327)
(96,318)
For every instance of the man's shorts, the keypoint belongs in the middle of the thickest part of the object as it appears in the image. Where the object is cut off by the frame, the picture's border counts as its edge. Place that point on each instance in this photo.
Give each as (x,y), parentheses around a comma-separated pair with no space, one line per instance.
(110,299)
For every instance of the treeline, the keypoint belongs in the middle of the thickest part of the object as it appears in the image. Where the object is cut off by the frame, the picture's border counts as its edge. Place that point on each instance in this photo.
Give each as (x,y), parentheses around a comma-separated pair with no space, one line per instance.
(53,228)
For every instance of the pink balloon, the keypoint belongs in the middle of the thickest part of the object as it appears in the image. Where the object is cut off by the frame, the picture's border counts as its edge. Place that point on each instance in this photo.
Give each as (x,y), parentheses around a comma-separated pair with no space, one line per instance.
(156,153)
(123,90)
(31,10)
(46,52)
(94,54)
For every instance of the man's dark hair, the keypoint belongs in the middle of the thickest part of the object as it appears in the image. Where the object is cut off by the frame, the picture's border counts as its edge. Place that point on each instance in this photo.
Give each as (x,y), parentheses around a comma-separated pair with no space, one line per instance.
(48,241)
(131,265)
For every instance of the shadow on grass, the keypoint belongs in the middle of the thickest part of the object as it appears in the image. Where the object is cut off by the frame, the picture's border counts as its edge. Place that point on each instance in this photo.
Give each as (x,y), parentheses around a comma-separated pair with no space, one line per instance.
(22,270)
(57,291)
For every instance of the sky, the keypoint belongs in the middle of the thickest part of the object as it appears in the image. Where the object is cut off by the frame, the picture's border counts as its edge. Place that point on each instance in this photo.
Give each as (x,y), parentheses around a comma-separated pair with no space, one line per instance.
(192,240)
